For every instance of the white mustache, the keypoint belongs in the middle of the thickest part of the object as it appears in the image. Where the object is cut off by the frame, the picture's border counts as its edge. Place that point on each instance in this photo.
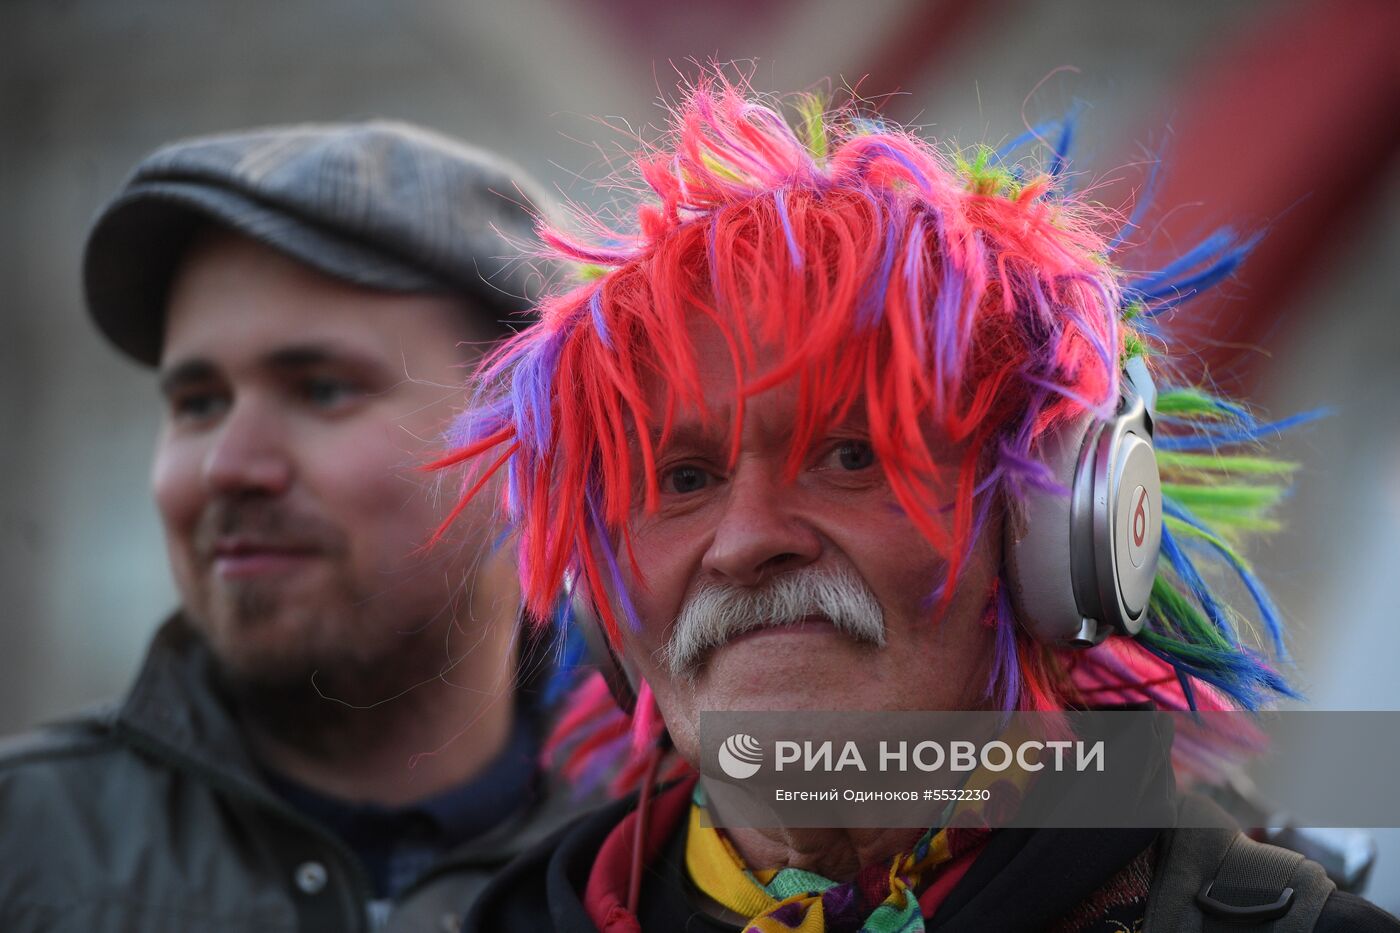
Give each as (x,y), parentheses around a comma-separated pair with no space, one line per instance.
(715,613)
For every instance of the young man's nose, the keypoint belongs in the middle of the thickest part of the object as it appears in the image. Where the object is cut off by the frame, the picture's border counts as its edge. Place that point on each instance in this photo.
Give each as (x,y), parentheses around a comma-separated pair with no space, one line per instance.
(248,454)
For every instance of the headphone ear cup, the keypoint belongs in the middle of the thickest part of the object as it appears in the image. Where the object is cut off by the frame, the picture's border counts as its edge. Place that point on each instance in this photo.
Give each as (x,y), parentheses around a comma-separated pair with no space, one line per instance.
(1080,565)
(1040,546)
(601,652)
(1128,534)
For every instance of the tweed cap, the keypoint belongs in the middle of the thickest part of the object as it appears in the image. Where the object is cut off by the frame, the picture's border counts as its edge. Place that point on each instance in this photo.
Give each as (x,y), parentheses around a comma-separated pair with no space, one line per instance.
(381,204)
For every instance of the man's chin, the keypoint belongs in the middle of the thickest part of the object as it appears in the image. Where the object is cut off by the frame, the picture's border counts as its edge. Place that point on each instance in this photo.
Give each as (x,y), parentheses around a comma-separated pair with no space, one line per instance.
(785,670)
(280,683)
(253,667)
(293,655)
(276,647)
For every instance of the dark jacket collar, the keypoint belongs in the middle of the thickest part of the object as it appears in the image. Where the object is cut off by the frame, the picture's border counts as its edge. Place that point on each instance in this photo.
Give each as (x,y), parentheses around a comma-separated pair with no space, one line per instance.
(173,711)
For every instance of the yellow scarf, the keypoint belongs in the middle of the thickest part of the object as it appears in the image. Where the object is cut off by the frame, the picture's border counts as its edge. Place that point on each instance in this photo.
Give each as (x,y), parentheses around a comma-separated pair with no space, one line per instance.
(788,899)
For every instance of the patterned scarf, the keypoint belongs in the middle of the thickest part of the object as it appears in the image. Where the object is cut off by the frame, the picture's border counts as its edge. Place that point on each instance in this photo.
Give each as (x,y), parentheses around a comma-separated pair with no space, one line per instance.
(882,899)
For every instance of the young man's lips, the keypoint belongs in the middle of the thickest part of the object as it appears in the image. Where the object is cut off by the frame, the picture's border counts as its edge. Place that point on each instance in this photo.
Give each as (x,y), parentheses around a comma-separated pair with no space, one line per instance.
(241,560)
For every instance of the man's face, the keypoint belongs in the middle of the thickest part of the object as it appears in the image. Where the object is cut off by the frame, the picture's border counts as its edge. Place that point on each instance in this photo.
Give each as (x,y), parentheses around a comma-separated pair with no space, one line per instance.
(297,408)
(733,531)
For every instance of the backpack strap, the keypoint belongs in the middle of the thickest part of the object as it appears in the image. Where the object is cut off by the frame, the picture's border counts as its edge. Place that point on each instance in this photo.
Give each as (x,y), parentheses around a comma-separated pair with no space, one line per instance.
(1217,880)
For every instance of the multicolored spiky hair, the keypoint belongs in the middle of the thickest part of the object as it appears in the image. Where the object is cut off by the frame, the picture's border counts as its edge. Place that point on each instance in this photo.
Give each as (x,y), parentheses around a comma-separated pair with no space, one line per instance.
(969,294)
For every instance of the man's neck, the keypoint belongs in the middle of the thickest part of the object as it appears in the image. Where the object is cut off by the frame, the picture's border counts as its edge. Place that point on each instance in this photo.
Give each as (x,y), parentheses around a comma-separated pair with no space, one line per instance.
(404,750)
(836,854)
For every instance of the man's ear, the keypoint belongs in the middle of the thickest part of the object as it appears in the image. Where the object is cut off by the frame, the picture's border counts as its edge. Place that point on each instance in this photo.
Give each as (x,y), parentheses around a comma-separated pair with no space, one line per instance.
(1013,519)
(977,578)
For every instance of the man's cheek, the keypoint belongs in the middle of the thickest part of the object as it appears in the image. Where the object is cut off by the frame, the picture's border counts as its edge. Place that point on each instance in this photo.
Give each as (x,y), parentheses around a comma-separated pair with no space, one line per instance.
(178,517)
(176,491)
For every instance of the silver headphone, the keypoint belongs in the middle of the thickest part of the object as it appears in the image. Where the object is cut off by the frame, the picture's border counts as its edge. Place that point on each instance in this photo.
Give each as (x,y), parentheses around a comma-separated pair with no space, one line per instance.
(1081,566)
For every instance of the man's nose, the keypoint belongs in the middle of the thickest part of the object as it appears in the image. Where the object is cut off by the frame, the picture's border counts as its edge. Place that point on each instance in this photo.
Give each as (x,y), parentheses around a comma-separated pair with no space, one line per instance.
(248,455)
(759,534)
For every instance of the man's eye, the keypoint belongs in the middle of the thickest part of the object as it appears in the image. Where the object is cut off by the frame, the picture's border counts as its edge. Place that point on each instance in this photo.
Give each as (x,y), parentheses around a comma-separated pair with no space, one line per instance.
(853,455)
(327,392)
(685,479)
(198,406)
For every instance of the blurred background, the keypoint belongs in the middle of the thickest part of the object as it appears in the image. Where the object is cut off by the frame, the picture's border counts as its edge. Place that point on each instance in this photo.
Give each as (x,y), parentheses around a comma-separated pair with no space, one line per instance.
(1277,115)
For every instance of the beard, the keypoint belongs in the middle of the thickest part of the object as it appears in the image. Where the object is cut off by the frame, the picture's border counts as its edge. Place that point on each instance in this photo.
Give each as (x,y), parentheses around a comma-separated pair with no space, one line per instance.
(346,677)
(294,651)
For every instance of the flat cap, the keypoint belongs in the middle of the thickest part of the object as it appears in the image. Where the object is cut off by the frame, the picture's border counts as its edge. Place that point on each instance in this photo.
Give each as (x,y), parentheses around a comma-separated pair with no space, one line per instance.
(381,204)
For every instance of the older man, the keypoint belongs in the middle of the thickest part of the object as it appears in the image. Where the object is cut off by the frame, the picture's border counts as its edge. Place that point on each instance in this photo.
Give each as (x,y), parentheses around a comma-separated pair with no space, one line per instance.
(846,423)
(329,734)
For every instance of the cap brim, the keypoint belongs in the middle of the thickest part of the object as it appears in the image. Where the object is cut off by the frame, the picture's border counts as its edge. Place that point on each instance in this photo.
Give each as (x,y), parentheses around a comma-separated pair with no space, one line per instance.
(138,241)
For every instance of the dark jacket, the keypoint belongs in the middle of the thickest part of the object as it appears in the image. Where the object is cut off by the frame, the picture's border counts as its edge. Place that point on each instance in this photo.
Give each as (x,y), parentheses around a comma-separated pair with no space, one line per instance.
(151,816)
(1024,880)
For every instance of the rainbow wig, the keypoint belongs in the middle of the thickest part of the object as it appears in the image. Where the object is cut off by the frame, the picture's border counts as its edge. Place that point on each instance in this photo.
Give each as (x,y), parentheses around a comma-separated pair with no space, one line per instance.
(970,293)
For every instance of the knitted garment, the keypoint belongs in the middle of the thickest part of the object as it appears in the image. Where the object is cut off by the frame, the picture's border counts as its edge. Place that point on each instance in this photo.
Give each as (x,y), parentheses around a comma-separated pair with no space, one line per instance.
(881,899)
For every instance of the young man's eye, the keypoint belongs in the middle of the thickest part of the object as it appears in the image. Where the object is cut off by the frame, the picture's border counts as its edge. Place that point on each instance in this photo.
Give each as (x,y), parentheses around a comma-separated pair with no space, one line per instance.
(684,479)
(198,406)
(853,455)
(325,392)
